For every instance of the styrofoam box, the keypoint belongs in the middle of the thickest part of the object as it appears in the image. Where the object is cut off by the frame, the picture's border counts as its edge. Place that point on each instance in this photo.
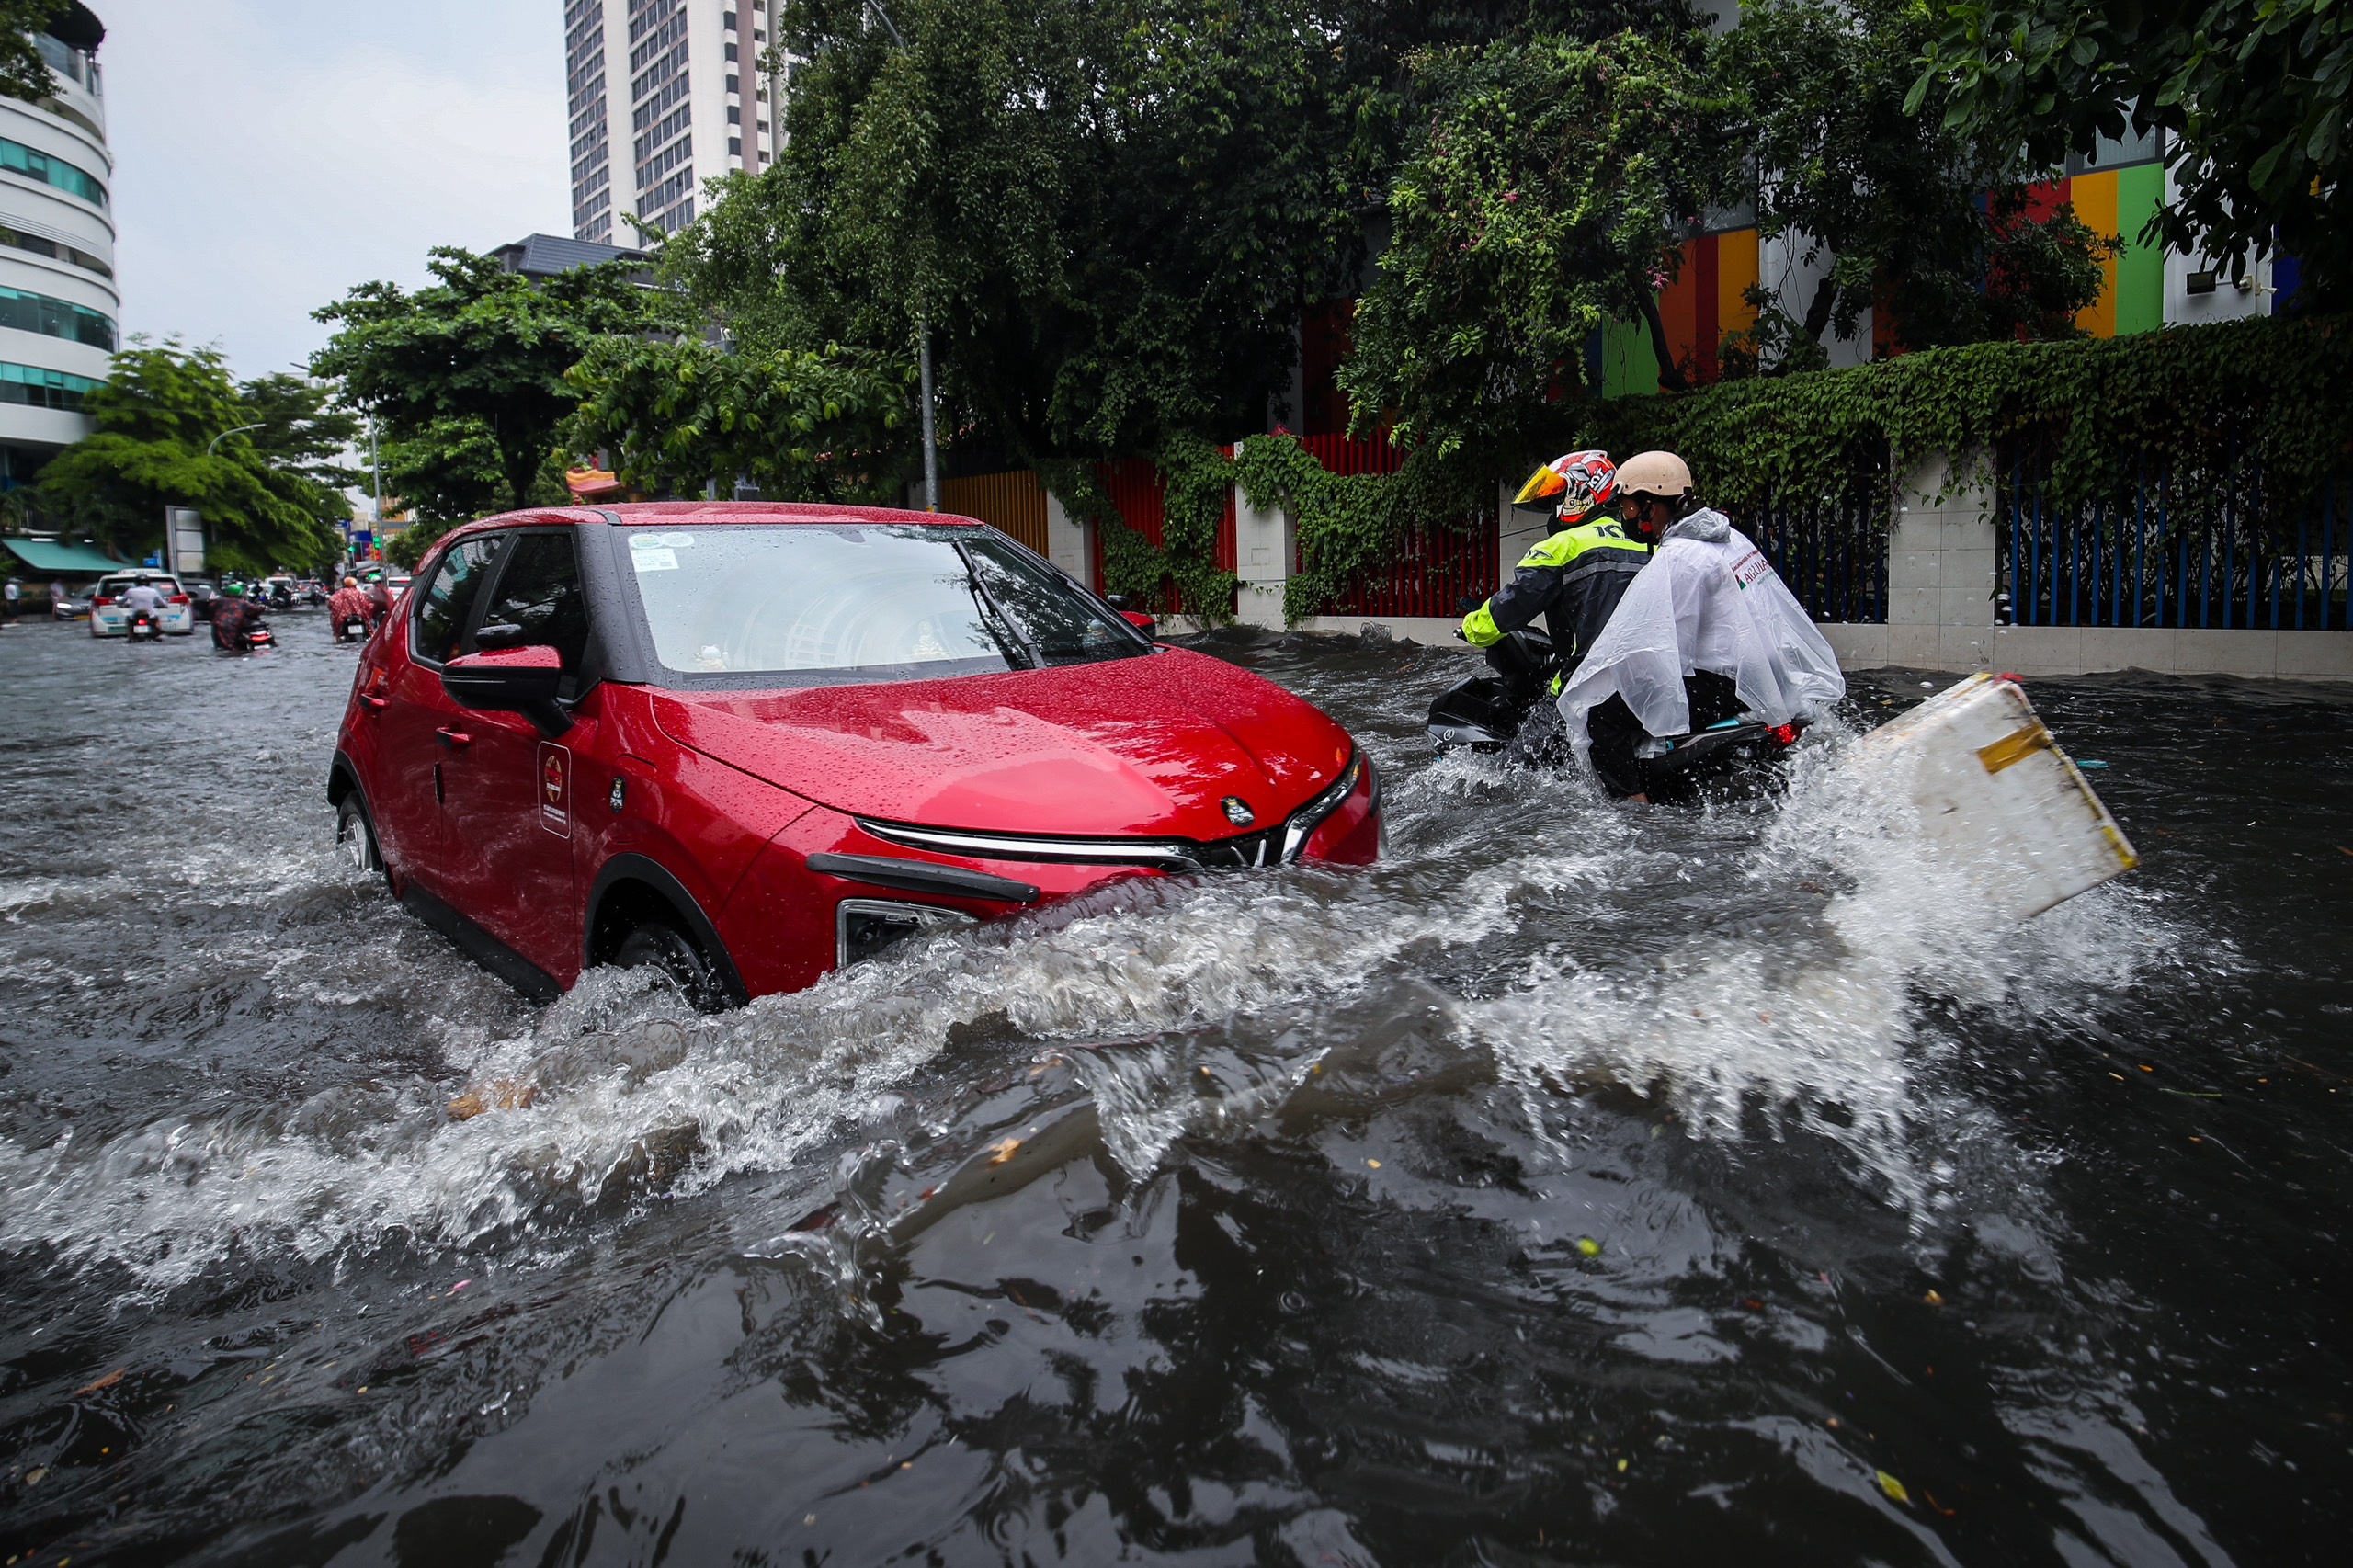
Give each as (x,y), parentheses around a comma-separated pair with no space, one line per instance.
(1991,784)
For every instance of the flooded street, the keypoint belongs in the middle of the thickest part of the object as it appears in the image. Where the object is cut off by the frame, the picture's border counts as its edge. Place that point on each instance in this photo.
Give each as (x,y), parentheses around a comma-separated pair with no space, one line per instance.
(1580,1184)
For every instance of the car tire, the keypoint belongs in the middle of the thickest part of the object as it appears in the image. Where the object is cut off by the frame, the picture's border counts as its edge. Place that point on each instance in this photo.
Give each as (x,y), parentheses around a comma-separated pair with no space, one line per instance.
(355,835)
(662,945)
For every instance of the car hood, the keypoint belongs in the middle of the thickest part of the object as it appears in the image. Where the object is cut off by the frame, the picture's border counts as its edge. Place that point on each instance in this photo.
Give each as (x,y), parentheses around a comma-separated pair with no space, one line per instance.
(1146,747)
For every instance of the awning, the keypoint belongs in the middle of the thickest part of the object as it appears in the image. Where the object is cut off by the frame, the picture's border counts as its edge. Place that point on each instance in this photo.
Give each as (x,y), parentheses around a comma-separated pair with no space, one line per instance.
(65,560)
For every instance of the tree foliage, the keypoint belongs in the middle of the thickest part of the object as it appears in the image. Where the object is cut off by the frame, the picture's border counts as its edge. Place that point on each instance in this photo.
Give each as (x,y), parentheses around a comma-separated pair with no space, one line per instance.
(168,435)
(23,73)
(466,375)
(2253,91)
(802,427)
(1924,221)
(1549,191)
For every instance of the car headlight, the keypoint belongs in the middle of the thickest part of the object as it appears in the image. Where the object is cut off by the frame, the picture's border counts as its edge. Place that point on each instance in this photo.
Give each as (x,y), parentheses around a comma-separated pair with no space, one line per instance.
(1308,817)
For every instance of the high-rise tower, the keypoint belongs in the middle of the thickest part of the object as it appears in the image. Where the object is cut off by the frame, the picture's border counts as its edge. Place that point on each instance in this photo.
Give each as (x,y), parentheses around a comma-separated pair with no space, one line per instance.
(57,299)
(665,95)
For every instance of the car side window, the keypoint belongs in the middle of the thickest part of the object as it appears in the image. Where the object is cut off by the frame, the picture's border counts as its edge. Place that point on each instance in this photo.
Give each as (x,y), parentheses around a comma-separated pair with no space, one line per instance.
(538,602)
(442,609)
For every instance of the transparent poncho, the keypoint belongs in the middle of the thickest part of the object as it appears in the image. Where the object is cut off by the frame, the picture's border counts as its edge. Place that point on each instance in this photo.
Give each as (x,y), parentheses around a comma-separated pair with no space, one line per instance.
(1708,600)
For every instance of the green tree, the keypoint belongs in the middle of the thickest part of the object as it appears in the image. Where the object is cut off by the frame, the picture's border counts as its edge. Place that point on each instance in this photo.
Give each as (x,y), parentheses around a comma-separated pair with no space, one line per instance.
(473,365)
(1550,190)
(23,73)
(2252,94)
(1922,219)
(801,426)
(168,435)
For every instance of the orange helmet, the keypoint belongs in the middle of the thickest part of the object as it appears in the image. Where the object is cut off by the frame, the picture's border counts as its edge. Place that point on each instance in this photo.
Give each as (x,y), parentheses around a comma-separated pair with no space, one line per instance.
(1572,484)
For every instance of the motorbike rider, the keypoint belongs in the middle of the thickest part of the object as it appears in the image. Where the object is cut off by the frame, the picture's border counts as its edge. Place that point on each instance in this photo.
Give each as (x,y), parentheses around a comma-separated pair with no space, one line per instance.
(1574,578)
(233,614)
(347,604)
(142,595)
(1707,632)
(380,599)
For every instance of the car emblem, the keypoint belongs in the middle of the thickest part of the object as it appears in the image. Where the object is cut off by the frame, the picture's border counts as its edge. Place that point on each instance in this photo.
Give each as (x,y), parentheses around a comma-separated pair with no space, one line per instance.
(1237,811)
(615,795)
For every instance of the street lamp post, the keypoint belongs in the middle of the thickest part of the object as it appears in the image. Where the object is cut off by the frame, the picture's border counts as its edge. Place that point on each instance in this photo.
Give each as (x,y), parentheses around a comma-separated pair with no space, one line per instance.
(923,335)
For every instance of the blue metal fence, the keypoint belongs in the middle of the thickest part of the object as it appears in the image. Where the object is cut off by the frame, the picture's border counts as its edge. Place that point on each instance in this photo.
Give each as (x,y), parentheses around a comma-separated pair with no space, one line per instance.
(1832,554)
(2158,559)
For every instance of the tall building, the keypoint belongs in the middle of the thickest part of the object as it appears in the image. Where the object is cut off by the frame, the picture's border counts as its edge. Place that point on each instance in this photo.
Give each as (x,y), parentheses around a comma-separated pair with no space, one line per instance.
(57,298)
(665,94)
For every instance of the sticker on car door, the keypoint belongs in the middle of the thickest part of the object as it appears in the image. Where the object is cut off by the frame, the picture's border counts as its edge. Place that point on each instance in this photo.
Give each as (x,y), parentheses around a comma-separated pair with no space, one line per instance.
(555,788)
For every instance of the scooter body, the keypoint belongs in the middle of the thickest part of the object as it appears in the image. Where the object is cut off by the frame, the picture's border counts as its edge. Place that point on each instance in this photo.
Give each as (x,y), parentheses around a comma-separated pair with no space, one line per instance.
(143,626)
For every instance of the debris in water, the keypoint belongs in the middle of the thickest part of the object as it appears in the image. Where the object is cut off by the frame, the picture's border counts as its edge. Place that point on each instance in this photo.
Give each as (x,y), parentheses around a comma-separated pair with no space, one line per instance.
(106,1382)
(1893,1488)
(1374,1163)
(2087,762)
(1003,1150)
(1588,1247)
(1933,1299)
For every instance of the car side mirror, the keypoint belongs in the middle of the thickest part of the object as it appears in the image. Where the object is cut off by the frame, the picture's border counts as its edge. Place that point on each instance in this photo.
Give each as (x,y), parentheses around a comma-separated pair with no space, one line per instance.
(510,681)
(1141,621)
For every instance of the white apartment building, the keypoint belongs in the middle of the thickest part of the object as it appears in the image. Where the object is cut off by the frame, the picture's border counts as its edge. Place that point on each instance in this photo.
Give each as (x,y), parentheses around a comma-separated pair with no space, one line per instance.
(665,95)
(59,304)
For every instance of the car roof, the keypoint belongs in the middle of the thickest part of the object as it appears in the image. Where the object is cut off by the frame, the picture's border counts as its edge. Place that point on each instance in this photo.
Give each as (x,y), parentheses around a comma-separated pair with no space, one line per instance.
(704,513)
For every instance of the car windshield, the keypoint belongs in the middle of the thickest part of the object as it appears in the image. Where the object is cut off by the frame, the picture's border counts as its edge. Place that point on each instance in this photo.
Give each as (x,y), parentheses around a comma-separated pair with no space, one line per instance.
(115,587)
(822,603)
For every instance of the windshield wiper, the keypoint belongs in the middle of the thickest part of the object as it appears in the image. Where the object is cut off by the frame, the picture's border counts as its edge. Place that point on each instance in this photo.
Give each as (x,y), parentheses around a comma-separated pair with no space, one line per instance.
(988,601)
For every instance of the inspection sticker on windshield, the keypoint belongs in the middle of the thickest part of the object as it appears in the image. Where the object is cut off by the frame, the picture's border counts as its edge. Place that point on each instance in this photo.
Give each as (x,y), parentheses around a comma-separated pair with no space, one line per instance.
(1751,568)
(654,560)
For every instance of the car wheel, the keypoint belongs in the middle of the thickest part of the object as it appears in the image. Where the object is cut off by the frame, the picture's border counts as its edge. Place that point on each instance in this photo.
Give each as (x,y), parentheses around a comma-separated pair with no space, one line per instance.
(665,947)
(355,835)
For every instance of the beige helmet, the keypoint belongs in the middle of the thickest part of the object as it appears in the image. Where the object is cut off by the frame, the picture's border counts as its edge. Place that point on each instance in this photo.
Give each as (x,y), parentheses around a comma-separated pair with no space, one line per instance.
(1662,474)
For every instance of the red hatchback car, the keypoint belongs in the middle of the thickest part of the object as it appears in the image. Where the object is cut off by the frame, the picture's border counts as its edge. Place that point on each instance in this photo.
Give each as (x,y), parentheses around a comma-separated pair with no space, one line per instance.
(753,743)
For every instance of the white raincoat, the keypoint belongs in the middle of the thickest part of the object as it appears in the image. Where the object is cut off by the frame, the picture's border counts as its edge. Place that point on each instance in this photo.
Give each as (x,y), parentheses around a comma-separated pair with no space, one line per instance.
(1708,600)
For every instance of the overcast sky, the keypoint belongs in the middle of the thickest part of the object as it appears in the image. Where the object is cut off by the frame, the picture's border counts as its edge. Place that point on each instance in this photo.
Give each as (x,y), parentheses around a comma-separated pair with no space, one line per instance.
(271,153)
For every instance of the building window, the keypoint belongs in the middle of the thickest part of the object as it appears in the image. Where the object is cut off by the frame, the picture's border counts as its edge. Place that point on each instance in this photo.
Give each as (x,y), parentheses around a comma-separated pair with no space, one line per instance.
(50,248)
(734,114)
(55,318)
(44,389)
(34,165)
(735,146)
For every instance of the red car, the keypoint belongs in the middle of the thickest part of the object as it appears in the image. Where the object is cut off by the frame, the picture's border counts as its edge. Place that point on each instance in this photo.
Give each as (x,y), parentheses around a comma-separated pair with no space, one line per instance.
(753,743)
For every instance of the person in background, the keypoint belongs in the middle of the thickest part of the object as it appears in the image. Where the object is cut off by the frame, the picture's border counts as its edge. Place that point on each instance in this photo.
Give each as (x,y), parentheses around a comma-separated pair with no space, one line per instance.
(8,597)
(58,599)
(379,600)
(230,615)
(345,605)
(1707,632)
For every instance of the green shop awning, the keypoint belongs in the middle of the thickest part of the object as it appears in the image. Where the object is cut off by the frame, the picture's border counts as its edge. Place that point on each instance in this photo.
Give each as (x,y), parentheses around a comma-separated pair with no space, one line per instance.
(62,560)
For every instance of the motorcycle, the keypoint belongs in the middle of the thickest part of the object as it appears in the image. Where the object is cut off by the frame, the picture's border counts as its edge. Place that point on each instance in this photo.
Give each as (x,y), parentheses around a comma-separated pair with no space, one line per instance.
(143,626)
(1504,712)
(351,629)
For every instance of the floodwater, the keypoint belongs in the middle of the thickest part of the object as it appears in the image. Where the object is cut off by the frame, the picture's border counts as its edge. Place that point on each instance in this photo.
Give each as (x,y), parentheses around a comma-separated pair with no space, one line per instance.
(1580,1184)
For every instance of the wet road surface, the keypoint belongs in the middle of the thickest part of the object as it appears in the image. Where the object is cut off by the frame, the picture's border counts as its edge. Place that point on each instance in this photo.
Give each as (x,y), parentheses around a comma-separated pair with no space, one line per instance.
(1580,1184)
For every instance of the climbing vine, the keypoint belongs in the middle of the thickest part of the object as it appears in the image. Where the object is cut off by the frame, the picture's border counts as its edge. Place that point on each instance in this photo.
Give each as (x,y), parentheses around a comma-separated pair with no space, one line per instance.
(1348,524)
(2093,418)
(1195,475)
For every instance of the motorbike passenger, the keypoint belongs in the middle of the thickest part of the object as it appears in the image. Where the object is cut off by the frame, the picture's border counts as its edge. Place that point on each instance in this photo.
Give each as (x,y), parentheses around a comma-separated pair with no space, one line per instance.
(1707,632)
(347,606)
(1573,579)
(380,599)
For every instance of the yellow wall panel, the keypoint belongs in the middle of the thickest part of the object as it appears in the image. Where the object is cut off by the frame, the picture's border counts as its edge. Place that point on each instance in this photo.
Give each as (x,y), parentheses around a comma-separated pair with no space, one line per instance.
(1015,502)
(2095,199)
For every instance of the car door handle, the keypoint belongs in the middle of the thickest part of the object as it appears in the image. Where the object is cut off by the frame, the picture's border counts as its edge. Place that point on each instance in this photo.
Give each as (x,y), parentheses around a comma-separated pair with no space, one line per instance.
(454,738)
(375,703)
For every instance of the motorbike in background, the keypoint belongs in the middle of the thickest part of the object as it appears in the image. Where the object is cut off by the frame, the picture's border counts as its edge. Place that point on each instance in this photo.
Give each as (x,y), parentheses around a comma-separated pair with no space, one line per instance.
(143,626)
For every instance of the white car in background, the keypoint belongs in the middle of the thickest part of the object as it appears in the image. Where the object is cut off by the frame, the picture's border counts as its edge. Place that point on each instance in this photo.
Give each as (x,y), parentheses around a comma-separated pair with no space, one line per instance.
(109,617)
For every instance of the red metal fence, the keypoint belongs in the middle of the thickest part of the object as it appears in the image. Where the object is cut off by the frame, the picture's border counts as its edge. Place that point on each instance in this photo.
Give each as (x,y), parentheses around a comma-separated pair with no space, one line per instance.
(1434,565)
(1138,489)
